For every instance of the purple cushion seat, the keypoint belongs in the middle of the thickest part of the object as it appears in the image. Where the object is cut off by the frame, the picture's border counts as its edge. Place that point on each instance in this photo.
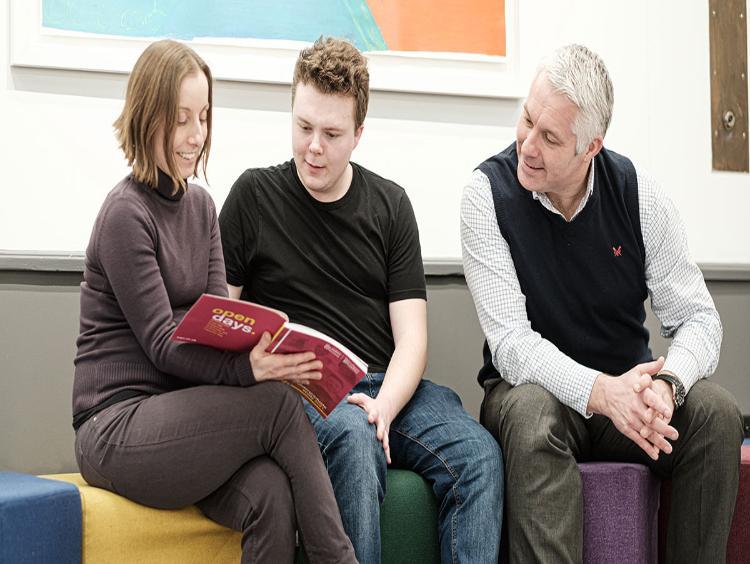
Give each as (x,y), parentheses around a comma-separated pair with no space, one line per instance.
(620,513)
(738,545)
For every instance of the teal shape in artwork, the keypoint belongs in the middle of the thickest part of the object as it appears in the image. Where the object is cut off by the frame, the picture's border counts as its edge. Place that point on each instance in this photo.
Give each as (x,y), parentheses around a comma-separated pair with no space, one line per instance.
(299,20)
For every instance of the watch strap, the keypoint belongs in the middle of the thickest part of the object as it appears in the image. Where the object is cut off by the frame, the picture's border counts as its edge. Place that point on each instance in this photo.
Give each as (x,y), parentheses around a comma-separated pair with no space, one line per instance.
(677,386)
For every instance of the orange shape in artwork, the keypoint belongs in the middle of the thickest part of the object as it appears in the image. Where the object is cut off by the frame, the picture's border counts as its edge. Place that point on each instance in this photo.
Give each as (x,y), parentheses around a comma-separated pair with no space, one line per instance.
(464,26)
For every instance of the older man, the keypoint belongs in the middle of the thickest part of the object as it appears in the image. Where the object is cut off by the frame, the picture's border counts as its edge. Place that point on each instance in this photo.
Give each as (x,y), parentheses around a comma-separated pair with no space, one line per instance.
(563,241)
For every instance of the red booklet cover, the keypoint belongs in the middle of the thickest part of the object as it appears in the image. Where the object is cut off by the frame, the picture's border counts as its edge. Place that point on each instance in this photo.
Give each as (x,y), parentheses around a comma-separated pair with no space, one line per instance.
(237,325)
(342,369)
(227,324)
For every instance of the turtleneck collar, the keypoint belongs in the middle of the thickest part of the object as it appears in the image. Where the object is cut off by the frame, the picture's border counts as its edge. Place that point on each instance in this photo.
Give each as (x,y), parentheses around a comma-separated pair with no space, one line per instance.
(165,186)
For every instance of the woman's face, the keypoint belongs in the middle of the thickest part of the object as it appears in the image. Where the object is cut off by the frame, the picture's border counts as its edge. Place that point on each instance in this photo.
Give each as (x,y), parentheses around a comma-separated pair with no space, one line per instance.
(191,129)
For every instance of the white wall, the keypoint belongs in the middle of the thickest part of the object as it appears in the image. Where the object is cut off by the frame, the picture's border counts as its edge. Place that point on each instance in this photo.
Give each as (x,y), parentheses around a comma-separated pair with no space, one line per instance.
(59,158)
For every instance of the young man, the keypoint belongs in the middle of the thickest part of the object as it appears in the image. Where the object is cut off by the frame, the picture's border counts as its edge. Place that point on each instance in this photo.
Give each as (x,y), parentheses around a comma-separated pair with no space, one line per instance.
(337,248)
(563,242)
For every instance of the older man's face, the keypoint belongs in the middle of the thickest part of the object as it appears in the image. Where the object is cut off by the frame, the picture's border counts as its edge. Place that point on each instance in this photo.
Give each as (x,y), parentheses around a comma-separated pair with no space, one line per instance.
(546,143)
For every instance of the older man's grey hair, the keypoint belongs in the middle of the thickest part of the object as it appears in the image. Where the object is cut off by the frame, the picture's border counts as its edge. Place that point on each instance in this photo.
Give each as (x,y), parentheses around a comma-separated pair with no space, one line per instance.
(580,74)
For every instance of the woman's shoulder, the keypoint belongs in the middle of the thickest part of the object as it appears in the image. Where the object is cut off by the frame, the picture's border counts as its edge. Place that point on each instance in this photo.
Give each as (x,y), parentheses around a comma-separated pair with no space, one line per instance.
(122,200)
(198,191)
(127,195)
(199,199)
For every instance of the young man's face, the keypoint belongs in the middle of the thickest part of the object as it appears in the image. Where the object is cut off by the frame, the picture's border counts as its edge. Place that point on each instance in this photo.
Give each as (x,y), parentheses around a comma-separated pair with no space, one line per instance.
(546,144)
(323,138)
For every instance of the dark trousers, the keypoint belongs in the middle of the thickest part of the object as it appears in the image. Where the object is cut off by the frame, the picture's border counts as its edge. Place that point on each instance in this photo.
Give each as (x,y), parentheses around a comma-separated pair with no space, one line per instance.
(248,457)
(542,440)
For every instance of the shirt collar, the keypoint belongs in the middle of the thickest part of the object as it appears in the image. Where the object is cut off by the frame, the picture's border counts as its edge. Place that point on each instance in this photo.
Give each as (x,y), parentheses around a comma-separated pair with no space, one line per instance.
(543,199)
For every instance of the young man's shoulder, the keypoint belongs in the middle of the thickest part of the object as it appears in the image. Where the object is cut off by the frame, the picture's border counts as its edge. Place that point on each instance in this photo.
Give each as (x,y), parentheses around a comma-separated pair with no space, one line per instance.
(267,175)
(379,185)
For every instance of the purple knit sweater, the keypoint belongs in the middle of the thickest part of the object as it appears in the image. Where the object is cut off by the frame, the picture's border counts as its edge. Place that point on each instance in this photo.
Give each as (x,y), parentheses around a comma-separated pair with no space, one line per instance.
(150,256)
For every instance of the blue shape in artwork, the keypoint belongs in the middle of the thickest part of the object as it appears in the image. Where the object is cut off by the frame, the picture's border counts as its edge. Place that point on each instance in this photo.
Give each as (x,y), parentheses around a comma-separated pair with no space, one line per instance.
(300,20)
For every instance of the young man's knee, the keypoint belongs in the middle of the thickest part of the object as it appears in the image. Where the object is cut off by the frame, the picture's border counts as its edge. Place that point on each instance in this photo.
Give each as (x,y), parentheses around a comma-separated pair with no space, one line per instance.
(349,436)
(490,456)
(482,453)
(356,463)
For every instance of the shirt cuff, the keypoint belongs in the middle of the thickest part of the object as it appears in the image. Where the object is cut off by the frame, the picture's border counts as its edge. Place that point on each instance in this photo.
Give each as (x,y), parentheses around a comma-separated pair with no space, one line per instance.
(682,364)
(581,403)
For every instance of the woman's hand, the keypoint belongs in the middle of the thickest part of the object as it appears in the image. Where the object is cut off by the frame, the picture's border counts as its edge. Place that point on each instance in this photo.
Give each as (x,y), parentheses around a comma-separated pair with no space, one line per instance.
(299,368)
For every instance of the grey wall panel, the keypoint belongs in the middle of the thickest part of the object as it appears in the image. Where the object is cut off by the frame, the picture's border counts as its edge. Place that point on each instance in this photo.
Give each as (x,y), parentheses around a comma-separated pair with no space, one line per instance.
(733,302)
(455,339)
(39,325)
(38,328)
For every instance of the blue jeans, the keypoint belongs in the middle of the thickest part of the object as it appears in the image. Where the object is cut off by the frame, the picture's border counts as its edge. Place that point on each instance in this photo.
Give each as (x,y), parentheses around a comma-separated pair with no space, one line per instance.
(433,436)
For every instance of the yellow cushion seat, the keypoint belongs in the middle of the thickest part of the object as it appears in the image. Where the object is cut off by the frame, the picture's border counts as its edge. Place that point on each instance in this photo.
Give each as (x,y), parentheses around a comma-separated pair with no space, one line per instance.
(116,530)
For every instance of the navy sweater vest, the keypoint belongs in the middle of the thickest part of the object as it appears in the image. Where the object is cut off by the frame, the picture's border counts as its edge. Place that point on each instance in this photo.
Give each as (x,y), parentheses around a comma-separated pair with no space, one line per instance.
(584,280)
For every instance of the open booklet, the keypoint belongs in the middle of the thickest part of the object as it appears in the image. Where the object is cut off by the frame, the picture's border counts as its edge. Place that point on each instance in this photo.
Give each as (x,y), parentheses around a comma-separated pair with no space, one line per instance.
(237,325)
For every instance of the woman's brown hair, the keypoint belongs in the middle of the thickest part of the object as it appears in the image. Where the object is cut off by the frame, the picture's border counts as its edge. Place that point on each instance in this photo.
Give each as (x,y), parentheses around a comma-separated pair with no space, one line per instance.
(152,102)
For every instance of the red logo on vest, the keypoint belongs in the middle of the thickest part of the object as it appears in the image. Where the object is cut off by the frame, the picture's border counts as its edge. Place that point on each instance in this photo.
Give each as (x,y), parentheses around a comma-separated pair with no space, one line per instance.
(617,251)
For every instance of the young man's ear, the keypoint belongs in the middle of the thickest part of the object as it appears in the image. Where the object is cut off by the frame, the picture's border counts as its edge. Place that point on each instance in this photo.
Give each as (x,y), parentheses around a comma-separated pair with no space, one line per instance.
(358,134)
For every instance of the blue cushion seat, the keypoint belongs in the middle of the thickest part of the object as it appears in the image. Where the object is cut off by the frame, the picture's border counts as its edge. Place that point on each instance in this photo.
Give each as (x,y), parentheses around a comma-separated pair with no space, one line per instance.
(40,520)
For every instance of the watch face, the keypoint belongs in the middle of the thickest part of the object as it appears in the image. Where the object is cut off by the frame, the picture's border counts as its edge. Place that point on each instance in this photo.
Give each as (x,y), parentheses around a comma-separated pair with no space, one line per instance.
(680,396)
(678,390)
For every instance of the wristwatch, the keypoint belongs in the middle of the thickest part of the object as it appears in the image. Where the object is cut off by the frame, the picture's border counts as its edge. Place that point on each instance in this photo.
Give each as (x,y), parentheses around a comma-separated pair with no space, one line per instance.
(678,390)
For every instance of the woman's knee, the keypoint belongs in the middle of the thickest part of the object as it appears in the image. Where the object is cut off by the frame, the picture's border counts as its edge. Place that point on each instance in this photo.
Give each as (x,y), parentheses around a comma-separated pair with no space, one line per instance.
(285,396)
(267,493)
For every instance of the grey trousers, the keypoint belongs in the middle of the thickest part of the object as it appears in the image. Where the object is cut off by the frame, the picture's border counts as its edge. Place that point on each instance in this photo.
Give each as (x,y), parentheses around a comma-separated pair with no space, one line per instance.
(542,440)
(248,457)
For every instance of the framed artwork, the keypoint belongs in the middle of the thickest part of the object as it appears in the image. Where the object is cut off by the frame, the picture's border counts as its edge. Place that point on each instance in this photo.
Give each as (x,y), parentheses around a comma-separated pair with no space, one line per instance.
(463,47)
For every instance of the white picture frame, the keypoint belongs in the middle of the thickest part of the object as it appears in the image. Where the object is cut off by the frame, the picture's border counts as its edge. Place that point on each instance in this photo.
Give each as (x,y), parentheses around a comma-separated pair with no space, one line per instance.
(268,61)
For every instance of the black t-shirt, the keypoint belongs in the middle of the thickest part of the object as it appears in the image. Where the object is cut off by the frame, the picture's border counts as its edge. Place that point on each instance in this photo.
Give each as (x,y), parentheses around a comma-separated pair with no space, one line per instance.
(332,266)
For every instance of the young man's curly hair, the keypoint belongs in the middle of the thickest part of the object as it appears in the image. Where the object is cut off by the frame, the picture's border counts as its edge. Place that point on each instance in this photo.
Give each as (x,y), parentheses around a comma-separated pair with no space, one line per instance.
(335,66)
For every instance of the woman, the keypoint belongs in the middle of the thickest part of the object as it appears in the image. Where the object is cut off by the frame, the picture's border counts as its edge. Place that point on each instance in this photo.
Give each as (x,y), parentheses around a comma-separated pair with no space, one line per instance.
(166,424)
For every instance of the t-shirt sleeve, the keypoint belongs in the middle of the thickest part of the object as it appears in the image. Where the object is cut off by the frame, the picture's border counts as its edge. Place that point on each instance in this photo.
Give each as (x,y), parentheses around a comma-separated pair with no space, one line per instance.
(405,268)
(239,223)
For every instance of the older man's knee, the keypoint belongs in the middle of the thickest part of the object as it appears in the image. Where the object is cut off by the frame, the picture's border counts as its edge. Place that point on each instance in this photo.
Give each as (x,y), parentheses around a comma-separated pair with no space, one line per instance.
(715,407)
(522,417)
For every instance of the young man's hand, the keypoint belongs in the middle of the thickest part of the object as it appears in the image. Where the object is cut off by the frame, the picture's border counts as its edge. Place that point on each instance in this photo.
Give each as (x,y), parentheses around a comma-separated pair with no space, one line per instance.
(379,413)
